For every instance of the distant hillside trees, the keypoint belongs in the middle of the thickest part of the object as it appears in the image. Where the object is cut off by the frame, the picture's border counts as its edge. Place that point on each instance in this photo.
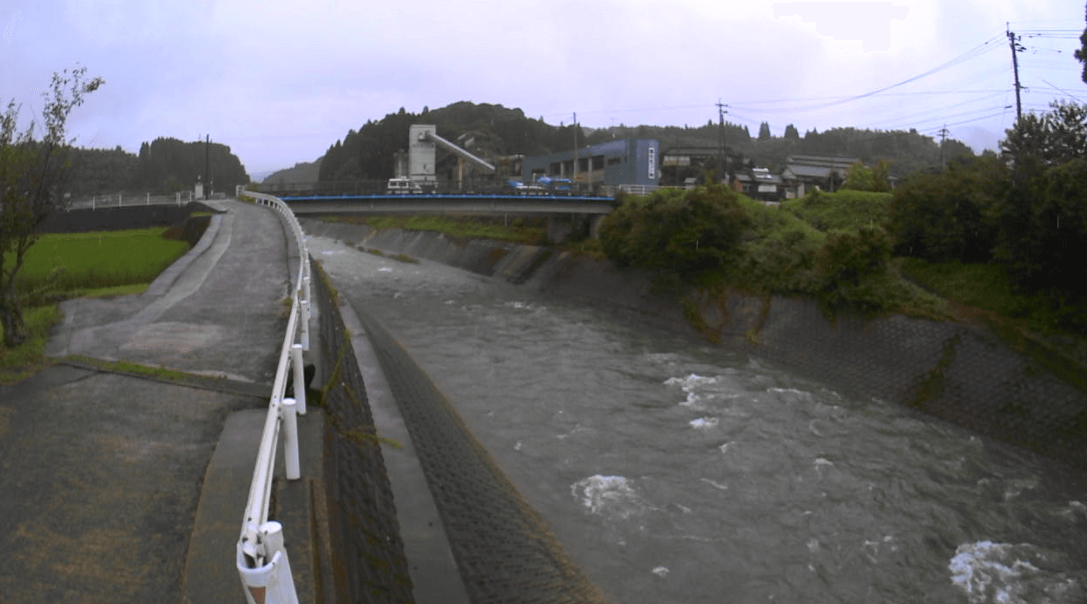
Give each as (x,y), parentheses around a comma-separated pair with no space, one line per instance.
(300,173)
(97,171)
(168,164)
(165,165)
(369,152)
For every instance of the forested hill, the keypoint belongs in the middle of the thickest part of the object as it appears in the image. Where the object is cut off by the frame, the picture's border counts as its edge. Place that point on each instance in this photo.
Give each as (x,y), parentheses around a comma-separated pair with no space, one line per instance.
(496,130)
(164,165)
(302,172)
(369,152)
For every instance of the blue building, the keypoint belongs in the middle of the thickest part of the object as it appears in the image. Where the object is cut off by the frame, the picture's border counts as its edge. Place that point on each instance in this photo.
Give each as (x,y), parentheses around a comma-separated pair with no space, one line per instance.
(631,161)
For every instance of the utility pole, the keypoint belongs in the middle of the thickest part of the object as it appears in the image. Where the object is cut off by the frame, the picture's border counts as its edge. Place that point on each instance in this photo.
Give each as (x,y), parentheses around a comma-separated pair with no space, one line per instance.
(943,138)
(575,149)
(1013,40)
(207,163)
(722,156)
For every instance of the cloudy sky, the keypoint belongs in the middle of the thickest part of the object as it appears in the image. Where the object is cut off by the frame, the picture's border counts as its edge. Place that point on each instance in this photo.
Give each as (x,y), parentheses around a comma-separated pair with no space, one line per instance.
(280,81)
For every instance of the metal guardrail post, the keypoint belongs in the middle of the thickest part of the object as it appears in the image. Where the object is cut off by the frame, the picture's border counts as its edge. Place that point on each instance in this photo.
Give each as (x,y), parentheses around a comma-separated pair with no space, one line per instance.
(289,411)
(299,378)
(273,582)
(304,317)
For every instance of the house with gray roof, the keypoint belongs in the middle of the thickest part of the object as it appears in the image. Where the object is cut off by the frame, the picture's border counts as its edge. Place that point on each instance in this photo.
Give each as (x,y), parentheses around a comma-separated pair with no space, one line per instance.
(802,173)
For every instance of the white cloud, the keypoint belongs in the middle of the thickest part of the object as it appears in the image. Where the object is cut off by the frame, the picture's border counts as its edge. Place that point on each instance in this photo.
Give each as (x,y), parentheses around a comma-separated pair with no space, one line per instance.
(280,81)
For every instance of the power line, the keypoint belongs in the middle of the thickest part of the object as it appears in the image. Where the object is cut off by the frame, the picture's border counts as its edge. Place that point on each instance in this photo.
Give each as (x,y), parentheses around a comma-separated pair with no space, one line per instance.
(969,54)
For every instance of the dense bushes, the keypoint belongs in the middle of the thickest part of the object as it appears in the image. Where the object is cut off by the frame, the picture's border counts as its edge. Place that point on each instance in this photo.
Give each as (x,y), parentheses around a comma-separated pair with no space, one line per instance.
(947,216)
(845,209)
(683,231)
(709,236)
(1026,211)
(1043,227)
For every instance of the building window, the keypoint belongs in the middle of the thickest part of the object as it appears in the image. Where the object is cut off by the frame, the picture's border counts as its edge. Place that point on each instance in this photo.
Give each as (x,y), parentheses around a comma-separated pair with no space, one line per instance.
(555,169)
(613,161)
(598,162)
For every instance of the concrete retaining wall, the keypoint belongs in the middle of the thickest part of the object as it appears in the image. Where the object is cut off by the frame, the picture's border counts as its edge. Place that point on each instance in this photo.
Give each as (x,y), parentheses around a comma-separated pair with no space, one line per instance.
(1009,389)
(368,549)
(127,217)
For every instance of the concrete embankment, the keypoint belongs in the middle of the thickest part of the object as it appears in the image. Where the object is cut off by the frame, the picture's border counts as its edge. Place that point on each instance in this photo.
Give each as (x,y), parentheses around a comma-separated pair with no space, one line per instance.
(1012,390)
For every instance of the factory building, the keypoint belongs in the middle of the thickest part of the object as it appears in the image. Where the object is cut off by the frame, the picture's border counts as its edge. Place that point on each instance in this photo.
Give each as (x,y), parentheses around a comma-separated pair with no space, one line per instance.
(625,162)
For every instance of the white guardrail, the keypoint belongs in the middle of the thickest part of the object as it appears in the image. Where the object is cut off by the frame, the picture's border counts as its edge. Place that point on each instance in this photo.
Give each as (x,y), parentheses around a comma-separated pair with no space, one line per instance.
(261,557)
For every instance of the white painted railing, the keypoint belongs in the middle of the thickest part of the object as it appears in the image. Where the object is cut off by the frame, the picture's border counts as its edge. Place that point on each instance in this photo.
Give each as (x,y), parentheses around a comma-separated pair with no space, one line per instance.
(611,190)
(261,556)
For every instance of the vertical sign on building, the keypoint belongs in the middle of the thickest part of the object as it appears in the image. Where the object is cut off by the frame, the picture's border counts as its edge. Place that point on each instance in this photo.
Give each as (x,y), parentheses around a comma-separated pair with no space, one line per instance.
(652,163)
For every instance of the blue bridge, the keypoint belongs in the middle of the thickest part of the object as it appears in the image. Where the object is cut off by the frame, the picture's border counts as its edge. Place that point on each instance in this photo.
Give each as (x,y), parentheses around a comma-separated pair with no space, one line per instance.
(563,213)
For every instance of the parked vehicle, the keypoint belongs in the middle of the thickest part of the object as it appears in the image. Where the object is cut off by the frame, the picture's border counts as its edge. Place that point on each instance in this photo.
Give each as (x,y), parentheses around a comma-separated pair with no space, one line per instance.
(555,186)
(403,186)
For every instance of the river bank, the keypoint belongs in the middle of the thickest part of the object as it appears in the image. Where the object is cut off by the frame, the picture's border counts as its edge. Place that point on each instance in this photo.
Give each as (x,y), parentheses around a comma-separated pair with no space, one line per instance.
(959,373)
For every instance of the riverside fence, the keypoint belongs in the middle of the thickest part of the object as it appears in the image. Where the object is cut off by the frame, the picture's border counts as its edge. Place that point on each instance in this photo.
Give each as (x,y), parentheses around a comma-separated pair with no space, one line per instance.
(262,559)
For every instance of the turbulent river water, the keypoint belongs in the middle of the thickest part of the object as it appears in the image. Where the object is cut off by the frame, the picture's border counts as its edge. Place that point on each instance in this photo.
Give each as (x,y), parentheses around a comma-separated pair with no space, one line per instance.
(674,471)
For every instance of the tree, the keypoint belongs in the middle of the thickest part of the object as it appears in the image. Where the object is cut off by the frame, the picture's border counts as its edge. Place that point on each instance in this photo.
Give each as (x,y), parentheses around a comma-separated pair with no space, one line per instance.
(764,131)
(1042,220)
(944,216)
(687,232)
(31,173)
(792,133)
(860,177)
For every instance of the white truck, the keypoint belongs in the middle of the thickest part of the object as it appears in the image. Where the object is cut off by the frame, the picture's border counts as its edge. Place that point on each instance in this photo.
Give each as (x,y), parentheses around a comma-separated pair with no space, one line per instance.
(403,186)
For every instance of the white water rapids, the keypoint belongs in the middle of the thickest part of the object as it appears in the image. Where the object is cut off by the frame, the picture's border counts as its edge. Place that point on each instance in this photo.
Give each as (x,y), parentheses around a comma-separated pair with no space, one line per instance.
(673,471)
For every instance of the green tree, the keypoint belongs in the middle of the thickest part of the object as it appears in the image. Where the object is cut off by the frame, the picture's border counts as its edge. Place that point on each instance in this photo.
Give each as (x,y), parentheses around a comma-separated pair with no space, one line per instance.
(764,131)
(947,215)
(683,231)
(31,172)
(791,133)
(1042,220)
(860,177)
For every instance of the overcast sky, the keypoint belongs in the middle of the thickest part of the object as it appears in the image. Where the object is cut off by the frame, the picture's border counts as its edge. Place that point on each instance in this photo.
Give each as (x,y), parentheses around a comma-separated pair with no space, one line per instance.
(280,81)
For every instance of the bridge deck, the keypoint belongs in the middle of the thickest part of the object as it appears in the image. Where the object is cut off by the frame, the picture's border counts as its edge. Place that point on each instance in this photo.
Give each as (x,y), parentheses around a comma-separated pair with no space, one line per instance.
(543,205)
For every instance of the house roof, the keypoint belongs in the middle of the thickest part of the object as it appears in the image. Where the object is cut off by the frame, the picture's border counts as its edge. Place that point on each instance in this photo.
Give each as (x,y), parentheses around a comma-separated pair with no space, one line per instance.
(816,166)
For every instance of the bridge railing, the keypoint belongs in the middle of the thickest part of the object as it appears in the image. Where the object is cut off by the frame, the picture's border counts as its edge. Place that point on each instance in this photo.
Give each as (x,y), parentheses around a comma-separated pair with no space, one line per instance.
(261,559)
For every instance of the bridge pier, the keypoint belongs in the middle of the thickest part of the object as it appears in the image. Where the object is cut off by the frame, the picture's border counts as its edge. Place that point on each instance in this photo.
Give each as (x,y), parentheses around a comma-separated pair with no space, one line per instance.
(559,227)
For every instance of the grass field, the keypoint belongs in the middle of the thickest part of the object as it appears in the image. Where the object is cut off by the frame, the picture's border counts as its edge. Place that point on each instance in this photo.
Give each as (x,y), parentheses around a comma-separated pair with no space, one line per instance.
(99,263)
(90,261)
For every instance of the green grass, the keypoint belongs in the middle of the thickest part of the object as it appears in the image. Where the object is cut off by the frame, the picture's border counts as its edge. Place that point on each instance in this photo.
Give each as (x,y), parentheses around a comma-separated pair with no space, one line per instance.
(92,261)
(527,231)
(25,360)
(116,290)
(987,287)
(108,263)
(159,373)
(844,210)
